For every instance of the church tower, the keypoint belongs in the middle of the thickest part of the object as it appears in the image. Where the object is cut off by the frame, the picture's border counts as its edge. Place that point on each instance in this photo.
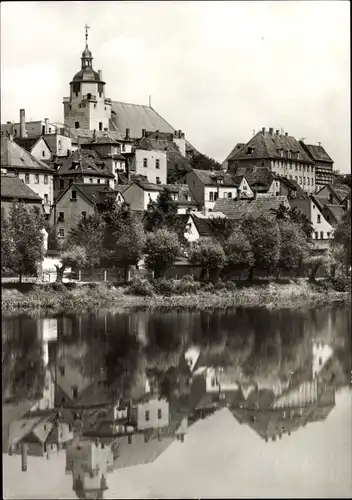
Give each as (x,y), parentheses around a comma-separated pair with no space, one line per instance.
(87,107)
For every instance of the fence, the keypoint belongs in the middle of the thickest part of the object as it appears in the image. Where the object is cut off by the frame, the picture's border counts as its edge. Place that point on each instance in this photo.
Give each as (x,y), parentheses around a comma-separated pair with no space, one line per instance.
(98,275)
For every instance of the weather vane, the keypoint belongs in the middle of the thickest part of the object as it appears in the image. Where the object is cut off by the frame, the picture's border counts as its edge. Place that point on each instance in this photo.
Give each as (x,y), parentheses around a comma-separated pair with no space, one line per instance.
(86,28)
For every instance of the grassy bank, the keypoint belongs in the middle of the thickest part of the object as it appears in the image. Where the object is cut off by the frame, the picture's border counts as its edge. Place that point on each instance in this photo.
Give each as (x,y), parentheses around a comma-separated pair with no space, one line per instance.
(83,297)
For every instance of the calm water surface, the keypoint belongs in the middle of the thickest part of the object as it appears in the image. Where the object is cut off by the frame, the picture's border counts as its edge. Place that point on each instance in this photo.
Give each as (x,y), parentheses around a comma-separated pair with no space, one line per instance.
(247,403)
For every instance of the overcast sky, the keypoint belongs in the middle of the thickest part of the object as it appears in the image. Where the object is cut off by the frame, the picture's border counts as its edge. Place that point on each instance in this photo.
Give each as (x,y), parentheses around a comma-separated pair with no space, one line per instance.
(216,70)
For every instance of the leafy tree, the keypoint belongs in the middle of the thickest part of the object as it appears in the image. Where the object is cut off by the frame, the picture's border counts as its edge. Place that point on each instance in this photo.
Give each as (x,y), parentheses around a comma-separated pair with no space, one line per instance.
(294,215)
(264,237)
(74,256)
(294,246)
(342,237)
(238,252)
(210,256)
(204,162)
(24,235)
(222,228)
(162,249)
(315,262)
(88,234)
(161,213)
(6,243)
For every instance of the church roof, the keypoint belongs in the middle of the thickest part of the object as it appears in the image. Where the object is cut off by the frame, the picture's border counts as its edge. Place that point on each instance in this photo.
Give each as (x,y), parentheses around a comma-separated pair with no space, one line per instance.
(86,74)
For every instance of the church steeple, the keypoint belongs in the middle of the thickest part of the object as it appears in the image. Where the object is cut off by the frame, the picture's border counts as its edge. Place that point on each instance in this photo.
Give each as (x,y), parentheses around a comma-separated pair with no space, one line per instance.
(86,54)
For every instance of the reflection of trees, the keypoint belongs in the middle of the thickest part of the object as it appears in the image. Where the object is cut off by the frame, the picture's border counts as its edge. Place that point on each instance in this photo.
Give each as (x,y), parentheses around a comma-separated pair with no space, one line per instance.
(23,373)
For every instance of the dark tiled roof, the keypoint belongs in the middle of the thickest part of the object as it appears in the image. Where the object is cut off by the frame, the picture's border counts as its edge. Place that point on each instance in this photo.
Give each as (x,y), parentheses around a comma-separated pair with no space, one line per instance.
(203,227)
(26,143)
(291,184)
(266,145)
(317,153)
(148,186)
(212,178)
(183,191)
(239,209)
(122,187)
(238,146)
(337,211)
(256,176)
(13,188)
(94,192)
(342,190)
(83,161)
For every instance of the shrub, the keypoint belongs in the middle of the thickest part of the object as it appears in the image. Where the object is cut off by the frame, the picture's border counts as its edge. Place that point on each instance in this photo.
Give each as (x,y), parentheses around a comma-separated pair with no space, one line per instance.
(58,287)
(93,285)
(141,286)
(71,285)
(187,285)
(164,286)
(230,286)
(341,283)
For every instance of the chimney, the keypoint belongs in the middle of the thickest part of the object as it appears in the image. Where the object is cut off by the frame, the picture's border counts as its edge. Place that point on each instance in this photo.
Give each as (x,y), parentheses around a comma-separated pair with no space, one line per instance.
(175,133)
(277,132)
(254,194)
(100,74)
(94,135)
(182,135)
(271,130)
(143,132)
(46,120)
(179,134)
(263,130)
(22,123)
(24,451)
(127,133)
(286,134)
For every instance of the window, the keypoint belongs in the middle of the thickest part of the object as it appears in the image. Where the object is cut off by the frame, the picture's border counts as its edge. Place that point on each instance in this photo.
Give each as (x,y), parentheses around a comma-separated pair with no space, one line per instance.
(84,214)
(211,196)
(62,371)
(70,181)
(216,195)
(123,147)
(300,180)
(74,392)
(225,194)
(304,168)
(62,183)
(147,415)
(74,195)
(61,233)
(230,195)
(308,181)
(158,180)
(43,153)
(322,235)
(46,198)
(145,162)
(91,180)
(61,216)
(95,106)
(296,168)
(36,178)
(98,181)
(26,178)
(100,125)
(46,179)
(299,167)
(316,235)
(100,94)
(159,414)
(157,163)
(318,219)
(76,124)
(304,181)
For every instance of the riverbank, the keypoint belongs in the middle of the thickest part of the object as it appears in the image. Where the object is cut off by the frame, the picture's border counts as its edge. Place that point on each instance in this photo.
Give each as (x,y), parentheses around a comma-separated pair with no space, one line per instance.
(85,297)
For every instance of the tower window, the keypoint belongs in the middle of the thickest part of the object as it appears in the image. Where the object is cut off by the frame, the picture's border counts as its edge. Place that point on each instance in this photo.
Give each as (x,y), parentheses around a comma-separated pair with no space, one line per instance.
(76,124)
(100,126)
(157,163)
(145,162)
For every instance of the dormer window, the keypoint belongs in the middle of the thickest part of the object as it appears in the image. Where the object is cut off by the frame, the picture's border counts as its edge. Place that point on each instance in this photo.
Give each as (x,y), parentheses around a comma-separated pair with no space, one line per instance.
(250,150)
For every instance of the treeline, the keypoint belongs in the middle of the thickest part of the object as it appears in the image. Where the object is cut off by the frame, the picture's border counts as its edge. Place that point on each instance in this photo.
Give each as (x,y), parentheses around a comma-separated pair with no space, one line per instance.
(116,237)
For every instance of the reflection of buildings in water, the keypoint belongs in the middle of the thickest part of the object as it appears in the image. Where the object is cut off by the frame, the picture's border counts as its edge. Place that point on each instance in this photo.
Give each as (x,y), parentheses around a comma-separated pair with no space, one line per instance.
(321,353)
(90,461)
(39,435)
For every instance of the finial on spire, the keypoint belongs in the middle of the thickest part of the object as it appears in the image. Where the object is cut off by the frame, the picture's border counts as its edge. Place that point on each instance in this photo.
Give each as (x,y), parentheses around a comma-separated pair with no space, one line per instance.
(86,35)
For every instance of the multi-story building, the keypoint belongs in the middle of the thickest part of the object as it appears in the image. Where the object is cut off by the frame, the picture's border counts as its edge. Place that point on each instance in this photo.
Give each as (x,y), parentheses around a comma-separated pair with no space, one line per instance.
(207,186)
(36,146)
(323,163)
(280,153)
(13,189)
(33,172)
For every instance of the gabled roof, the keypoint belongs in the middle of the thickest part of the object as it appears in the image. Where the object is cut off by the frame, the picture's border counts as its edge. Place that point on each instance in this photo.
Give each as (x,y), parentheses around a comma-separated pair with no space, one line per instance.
(14,156)
(95,193)
(147,186)
(210,178)
(84,162)
(337,211)
(137,117)
(239,209)
(334,190)
(255,176)
(183,191)
(291,184)
(13,188)
(316,152)
(267,145)
(238,146)
(27,143)
(203,227)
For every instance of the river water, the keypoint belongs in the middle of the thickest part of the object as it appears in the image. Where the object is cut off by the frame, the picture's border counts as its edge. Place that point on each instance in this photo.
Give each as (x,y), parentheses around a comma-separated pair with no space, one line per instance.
(242,403)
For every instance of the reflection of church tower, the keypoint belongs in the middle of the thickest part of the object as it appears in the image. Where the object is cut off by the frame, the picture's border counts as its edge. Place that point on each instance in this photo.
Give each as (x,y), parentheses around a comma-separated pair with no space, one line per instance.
(89,463)
(87,108)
